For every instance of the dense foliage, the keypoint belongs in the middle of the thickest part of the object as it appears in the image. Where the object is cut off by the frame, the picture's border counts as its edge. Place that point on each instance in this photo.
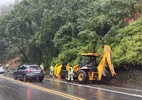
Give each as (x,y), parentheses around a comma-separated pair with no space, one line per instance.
(57,31)
(128,45)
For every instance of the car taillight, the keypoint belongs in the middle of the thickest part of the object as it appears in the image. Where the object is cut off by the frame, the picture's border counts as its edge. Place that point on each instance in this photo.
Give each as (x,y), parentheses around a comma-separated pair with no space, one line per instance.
(29,71)
(42,71)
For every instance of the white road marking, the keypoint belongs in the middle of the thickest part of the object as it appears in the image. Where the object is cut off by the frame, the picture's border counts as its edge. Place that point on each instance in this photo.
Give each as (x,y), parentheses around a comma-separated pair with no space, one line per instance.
(108,90)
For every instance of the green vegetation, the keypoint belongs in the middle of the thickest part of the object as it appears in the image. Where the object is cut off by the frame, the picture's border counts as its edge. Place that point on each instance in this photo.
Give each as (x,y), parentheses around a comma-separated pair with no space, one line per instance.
(57,31)
(129,49)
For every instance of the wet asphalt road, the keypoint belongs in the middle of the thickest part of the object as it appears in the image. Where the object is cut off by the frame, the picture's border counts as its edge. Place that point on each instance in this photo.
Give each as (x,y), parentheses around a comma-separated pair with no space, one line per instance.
(55,89)
(10,90)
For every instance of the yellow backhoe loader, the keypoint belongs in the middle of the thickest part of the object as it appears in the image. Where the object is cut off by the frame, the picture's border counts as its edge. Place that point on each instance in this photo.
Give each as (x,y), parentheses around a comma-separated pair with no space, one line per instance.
(88,69)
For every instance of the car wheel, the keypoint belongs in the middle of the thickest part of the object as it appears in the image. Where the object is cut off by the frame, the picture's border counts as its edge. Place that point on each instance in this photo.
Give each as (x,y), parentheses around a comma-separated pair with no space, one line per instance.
(15,76)
(66,76)
(25,78)
(40,79)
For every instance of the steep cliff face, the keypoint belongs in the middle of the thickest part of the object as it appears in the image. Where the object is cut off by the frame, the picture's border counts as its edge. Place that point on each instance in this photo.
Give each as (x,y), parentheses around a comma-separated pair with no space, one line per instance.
(134,18)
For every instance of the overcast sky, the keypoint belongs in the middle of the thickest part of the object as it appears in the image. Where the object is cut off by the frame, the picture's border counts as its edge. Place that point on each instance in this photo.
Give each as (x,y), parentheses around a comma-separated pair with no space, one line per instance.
(6,2)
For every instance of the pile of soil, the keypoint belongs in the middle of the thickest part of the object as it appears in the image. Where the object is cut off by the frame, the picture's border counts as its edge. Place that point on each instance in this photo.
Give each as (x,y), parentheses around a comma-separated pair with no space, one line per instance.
(127,78)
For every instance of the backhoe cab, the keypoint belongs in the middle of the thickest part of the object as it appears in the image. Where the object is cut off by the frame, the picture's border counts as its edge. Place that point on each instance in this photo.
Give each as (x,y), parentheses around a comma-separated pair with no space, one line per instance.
(88,69)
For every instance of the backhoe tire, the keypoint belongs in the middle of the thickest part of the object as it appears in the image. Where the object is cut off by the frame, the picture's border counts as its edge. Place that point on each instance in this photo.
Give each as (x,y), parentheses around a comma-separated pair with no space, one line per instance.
(82,76)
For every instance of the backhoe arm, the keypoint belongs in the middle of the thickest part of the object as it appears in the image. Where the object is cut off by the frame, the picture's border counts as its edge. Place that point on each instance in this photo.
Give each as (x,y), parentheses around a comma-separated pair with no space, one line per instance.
(106,59)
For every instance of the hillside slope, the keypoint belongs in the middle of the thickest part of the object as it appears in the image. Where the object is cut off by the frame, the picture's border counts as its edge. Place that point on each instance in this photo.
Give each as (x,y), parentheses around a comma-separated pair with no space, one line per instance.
(14,63)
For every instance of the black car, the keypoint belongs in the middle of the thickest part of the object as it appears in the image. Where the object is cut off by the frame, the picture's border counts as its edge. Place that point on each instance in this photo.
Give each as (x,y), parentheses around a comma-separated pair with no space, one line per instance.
(29,72)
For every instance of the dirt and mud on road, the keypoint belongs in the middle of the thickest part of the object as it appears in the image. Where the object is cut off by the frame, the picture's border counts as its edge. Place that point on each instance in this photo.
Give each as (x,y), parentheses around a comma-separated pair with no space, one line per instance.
(128,78)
